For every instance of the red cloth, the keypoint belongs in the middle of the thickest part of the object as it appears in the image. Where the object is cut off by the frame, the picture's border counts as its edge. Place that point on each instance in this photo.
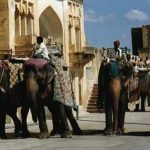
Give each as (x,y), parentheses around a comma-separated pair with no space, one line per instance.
(37,62)
(117,43)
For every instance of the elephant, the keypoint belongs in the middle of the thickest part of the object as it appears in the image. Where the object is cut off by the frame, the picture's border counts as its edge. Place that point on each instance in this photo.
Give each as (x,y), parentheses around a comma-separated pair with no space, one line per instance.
(39,84)
(143,86)
(115,100)
(11,99)
(7,104)
(21,94)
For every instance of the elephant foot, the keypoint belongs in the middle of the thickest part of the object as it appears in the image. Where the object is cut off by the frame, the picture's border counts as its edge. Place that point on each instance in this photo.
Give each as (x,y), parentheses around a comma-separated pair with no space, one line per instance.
(116,132)
(121,131)
(77,132)
(18,134)
(54,132)
(44,135)
(108,131)
(25,134)
(66,134)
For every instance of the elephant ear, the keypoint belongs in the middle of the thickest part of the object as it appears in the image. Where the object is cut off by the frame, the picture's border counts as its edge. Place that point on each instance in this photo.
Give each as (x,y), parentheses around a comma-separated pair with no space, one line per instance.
(50,72)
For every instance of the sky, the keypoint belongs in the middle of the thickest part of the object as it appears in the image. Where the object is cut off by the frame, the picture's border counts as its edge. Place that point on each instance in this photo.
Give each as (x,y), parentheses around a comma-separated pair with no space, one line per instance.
(110,20)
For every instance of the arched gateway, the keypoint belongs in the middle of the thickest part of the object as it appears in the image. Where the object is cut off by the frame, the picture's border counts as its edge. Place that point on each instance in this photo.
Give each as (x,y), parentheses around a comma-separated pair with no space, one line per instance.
(50,25)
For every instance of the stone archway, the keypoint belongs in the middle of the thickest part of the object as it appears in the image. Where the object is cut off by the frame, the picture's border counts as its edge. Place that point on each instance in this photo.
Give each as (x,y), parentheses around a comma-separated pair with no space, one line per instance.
(50,25)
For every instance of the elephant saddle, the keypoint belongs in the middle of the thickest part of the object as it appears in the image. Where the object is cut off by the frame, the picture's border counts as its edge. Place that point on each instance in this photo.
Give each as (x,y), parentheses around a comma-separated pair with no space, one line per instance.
(36,62)
(41,65)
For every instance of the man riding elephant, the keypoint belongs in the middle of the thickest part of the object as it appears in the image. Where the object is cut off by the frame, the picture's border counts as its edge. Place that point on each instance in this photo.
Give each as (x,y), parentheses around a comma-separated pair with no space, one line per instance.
(116,77)
(40,49)
(53,91)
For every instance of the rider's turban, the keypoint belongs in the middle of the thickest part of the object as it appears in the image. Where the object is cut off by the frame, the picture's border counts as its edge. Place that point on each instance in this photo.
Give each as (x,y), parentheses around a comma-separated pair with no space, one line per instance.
(116,43)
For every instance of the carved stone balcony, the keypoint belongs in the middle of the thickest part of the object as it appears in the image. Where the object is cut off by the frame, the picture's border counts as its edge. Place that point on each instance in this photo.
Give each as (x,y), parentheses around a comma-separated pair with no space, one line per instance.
(83,57)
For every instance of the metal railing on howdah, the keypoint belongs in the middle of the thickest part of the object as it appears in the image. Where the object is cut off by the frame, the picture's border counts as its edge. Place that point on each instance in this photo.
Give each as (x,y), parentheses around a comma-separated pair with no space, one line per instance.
(54,48)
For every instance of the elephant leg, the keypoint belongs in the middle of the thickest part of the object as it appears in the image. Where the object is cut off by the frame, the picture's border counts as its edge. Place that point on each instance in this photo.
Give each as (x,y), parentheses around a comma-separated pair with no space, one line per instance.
(24,113)
(55,120)
(143,98)
(115,88)
(121,111)
(2,115)
(73,122)
(42,123)
(148,99)
(56,125)
(2,124)
(65,131)
(108,115)
(17,123)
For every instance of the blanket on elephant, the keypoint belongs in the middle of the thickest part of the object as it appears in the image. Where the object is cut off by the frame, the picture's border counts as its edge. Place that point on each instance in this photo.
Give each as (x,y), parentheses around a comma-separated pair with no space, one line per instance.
(108,71)
(37,62)
(133,90)
(14,68)
(63,90)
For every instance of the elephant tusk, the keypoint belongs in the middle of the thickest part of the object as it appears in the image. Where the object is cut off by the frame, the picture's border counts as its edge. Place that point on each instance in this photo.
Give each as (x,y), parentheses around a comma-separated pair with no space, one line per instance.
(2,89)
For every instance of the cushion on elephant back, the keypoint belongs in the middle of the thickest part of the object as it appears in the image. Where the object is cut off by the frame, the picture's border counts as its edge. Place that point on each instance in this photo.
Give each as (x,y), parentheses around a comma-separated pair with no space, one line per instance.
(37,62)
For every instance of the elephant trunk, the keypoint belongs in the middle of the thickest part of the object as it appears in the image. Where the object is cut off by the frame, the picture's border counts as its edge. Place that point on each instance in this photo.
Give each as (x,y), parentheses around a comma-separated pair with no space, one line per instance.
(32,92)
(34,112)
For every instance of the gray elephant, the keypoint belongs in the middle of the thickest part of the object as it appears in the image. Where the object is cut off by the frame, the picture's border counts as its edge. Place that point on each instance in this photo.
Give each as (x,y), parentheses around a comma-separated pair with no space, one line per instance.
(40,90)
(114,77)
(116,97)
(8,104)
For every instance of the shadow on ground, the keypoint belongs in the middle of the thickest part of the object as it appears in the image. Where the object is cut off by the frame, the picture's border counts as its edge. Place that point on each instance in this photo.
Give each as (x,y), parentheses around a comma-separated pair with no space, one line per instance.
(92,132)
(141,133)
(35,135)
(85,133)
(12,136)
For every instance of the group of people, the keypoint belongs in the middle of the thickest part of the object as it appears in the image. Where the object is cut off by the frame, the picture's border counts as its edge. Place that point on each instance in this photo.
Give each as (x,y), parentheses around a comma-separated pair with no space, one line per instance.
(141,82)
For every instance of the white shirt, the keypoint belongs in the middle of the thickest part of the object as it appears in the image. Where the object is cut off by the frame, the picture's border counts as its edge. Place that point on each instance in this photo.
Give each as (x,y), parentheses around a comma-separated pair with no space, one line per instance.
(41,48)
(112,54)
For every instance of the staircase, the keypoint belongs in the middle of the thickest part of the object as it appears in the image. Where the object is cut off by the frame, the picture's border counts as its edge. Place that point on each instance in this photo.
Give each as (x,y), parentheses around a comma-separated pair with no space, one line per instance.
(92,106)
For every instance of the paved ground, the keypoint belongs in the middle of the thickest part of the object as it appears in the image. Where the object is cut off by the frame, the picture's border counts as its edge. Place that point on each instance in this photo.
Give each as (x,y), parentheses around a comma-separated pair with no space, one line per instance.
(137,135)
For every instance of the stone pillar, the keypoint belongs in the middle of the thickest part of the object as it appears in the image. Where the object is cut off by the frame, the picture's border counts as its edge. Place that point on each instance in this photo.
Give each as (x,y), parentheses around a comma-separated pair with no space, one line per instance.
(7,9)
(11,13)
(17,25)
(65,30)
(4,25)
(23,24)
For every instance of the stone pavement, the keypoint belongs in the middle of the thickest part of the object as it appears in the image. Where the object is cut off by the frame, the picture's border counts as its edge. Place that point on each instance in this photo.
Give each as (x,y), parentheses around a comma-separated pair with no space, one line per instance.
(137,135)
